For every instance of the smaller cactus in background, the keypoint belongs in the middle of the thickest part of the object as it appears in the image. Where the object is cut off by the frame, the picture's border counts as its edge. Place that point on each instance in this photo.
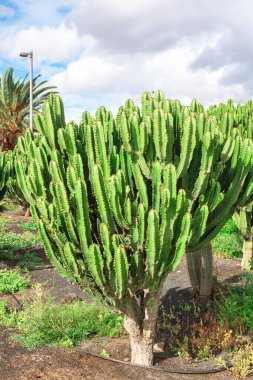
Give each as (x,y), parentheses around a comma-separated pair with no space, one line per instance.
(4,172)
(243,219)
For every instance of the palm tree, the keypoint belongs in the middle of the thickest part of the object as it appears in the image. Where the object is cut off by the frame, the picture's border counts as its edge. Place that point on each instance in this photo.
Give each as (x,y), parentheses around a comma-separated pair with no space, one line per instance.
(14,106)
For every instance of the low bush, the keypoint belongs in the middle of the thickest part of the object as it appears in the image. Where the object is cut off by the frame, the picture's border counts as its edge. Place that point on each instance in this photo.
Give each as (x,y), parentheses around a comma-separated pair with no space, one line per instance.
(236,308)
(11,243)
(229,242)
(28,226)
(11,281)
(44,322)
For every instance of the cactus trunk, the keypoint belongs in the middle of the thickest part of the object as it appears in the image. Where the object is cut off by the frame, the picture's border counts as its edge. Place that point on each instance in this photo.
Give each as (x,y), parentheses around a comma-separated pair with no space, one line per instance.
(140,322)
(247,254)
(200,268)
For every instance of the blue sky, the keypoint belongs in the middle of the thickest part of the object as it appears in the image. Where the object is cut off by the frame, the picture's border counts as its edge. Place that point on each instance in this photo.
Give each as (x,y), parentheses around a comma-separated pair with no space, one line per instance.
(103,52)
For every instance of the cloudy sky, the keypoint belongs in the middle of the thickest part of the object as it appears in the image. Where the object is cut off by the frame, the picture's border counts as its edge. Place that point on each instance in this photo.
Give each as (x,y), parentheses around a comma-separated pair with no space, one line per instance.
(101,52)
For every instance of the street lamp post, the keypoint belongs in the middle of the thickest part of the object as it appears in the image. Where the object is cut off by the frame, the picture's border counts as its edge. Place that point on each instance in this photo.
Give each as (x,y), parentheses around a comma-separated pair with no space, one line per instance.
(30,56)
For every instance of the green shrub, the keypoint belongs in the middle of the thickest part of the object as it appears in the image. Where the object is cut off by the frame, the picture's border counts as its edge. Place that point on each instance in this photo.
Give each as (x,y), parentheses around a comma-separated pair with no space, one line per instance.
(14,242)
(30,260)
(230,228)
(229,242)
(28,226)
(8,205)
(236,308)
(228,245)
(11,281)
(7,318)
(44,322)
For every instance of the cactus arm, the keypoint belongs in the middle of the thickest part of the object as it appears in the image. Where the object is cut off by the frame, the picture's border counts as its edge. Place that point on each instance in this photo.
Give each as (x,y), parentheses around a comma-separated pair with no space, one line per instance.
(96,265)
(153,243)
(82,216)
(156,179)
(181,243)
(188,144)
(101,197)
(121,271)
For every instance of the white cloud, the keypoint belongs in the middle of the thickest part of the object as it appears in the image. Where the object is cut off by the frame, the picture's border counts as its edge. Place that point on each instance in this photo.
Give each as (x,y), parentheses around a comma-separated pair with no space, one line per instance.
(110,79)
(102,52)
(51,44)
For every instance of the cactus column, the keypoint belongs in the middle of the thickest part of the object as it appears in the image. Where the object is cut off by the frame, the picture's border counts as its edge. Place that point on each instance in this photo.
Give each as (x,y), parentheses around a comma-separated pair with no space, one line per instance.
(243,220)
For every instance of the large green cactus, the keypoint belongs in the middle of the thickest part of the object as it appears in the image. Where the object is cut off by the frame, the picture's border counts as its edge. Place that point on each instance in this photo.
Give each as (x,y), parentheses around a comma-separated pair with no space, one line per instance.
(232,121)
(119,201)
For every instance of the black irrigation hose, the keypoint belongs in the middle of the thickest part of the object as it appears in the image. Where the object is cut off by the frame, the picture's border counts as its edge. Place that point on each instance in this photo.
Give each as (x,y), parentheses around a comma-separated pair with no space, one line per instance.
(153,368)
(42,268)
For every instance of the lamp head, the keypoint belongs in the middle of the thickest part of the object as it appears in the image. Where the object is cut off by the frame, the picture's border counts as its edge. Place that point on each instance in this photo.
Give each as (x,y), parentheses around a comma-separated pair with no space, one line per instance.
(26,54)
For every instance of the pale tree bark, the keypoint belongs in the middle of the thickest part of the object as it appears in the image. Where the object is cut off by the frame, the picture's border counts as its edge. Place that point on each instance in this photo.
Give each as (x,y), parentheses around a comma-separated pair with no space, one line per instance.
(200,269)
(140,318)
(247,253)
(27,212)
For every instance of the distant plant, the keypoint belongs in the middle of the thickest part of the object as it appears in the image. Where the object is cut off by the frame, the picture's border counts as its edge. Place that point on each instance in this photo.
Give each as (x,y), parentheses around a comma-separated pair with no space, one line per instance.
(230,228)
(14,106)
(228,245)
(11,281)
(8,204)
(12,243)
(28,226)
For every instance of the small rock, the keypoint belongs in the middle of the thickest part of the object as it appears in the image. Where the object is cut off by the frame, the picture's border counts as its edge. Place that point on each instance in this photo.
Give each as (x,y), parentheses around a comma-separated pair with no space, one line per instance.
(159,347)
(126,360)
(3,265)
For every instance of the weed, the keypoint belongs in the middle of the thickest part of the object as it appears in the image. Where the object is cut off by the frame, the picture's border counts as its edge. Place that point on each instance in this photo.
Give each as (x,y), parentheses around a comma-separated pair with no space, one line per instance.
(236,308)
(28,226)
(8,205)
(228,245)
(186,308)
(2,225)
(43,322)
(7,318)
(105,353)
(205,352)
(11,281)
(9,256)
(30,261)
(242,361)
(14,242)
(230,228)
(183,350)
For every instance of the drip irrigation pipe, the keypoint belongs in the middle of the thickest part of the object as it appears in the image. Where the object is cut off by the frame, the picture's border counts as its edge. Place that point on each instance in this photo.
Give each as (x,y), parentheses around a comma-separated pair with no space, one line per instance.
(153,368)
(42,268)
